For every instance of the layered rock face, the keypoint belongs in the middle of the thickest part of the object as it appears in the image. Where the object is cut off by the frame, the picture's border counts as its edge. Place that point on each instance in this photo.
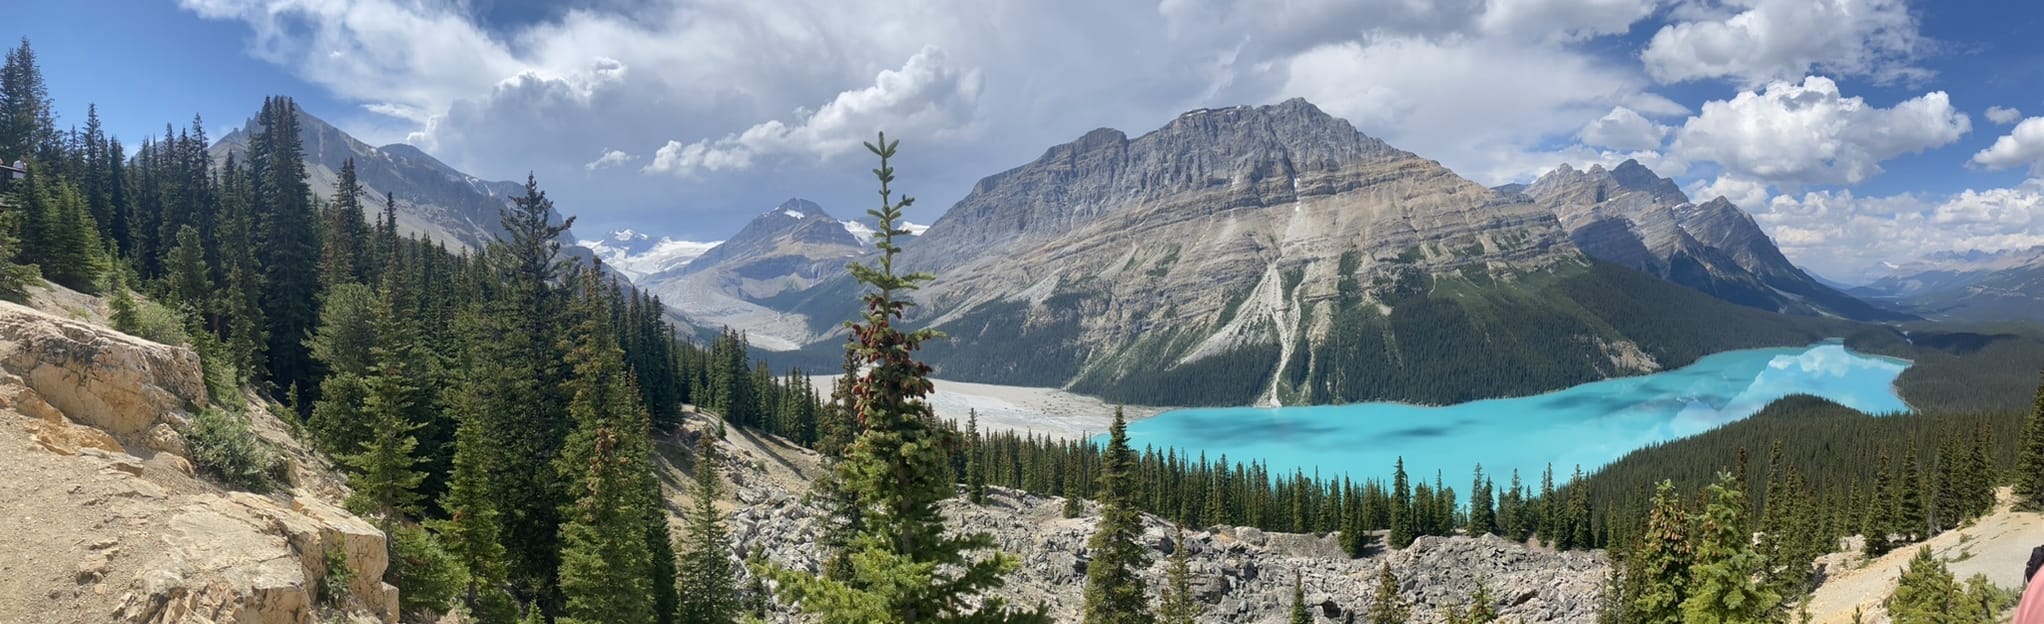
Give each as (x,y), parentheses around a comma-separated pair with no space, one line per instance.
(1633,217)
(104,519)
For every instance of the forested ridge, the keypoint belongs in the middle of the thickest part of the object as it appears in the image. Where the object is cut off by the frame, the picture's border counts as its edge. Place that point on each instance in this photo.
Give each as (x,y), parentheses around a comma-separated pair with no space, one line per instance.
(495,412)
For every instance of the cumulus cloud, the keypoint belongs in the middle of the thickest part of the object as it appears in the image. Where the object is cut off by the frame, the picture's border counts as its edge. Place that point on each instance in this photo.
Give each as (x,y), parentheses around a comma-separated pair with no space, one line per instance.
(1757,41)
(2023,145)
(2003,115)
(610,158)
(1742,192)
(743,95)
(1843,235)
(1809,133)
(1625,129)
(926,96)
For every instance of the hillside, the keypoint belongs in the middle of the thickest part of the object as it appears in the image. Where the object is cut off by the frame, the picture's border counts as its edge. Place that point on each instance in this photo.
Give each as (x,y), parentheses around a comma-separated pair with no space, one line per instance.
(105,516)
(786,249)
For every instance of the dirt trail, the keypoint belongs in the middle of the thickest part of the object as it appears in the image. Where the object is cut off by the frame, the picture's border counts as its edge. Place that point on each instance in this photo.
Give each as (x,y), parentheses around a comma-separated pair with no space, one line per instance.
(1997,546)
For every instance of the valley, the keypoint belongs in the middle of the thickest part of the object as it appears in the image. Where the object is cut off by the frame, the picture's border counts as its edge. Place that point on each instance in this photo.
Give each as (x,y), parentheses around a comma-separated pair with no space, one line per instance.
(1302,344)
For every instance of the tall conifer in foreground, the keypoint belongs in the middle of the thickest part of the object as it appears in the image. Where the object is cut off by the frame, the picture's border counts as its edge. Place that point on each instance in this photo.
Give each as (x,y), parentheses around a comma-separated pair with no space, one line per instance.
(1298,612)
(903,566)
(709,589)
(1388,607)
(606,564)
(1115,593)
(1722,585)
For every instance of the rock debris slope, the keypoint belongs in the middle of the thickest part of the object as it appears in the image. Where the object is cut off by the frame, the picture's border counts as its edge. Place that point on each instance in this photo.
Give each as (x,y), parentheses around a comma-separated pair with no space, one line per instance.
(1239,574)
(104,520)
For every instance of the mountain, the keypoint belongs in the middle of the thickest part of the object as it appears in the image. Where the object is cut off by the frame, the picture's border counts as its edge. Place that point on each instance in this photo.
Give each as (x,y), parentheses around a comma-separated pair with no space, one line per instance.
(1942,271)
(784,250)
(433,199)
(1274,254)
(1631,216)
(636,255)
(2002,287)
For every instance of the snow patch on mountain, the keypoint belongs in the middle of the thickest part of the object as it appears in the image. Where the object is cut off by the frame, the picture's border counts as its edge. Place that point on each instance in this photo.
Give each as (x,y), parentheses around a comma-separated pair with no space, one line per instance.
(637,255)
(864,232)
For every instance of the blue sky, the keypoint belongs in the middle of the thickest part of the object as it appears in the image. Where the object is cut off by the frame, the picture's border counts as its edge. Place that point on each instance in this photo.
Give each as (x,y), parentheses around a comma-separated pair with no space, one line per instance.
(1856,131)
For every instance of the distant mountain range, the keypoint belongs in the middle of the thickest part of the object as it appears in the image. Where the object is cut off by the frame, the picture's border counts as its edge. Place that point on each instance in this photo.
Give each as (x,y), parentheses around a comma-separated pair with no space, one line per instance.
(1967,286)
(1274,254)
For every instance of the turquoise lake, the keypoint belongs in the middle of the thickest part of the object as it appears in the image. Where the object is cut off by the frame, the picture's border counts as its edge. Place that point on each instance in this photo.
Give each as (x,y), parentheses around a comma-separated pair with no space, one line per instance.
(1589,425)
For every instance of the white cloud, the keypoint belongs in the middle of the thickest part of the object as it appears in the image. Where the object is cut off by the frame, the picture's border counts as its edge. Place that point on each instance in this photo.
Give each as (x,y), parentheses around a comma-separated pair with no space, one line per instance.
(928,97)
(1625,129)
(2003,115)
(1744,193)
(2023,145)
(1756,41)
(610,158)
(1422,95)
(1564,20)
(1840,234)
(1809,133)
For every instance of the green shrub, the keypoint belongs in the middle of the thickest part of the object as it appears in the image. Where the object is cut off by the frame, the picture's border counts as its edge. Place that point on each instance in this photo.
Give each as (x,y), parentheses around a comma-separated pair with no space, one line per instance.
(426,575)
(224,447)
(156,322)
(333,587)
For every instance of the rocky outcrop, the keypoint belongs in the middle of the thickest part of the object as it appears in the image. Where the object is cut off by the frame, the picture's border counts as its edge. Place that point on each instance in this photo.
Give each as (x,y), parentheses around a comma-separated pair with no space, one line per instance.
(1633,217)
(102,518)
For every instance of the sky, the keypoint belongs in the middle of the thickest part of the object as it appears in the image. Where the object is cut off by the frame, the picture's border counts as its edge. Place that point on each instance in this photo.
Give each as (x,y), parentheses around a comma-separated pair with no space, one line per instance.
(1857,132)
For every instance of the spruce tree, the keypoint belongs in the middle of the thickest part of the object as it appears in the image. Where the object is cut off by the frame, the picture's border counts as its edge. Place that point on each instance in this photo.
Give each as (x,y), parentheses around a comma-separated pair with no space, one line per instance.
(472,531)
(1880,519)
(1298,614)
(1115,592)
(1482,516)
(975,466)
(341,242)
(1926,592)
(1722,585)
(709,587)
(1660,562)
(1402,521)
(1912,519)
(190,283)
(904,566)
(1388,606)
(287,244)
(2030,466)
(606,565)
(1177,605)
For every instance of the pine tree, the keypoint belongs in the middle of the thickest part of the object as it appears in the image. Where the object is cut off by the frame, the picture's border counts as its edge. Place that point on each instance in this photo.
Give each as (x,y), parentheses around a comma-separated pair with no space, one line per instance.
(1298,611)
(606,565)
(190,284)
(904,566)
(1926,592)
(287,244)
(1880,516)
(1402,521)
(709,587)
(1115,592)
(472,531)
(2030,466)
(1658,570)
(1722,579)
(1482,516)
(1546,518)
(1388,607)
(28,125)
(1913,519)
(1177,605)
(975,466)
(341,244)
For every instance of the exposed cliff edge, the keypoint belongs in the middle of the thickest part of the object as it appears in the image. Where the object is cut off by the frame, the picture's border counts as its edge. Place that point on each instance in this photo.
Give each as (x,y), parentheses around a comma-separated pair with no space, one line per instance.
(104,518)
